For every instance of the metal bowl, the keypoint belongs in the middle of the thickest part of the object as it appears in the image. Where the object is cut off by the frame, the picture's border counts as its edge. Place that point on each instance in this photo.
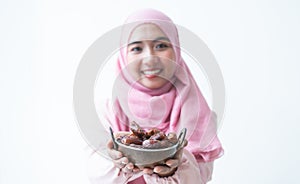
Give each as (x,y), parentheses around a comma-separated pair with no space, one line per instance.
(142,157)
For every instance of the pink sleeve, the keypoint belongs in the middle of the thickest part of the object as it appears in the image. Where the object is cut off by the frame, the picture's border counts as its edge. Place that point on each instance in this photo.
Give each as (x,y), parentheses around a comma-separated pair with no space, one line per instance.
(209,147)
(188,172)
(206,157)
(210,153)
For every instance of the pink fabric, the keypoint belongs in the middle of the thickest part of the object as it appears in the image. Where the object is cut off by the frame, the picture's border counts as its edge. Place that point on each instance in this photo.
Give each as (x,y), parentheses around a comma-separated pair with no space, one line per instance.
(139,180)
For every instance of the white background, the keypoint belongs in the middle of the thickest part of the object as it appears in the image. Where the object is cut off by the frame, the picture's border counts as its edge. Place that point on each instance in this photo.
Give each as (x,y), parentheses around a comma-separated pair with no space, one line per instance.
(256,44)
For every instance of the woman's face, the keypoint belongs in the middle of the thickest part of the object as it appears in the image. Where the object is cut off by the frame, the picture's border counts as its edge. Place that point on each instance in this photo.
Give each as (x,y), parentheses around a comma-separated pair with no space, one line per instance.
(150,56)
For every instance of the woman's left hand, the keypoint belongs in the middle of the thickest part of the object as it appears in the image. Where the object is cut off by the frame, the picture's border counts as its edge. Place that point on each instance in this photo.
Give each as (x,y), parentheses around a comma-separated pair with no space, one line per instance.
(170,166)
(119,160)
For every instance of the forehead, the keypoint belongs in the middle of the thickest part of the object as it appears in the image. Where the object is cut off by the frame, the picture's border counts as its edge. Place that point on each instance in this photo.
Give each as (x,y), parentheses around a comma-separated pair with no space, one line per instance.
(146,32)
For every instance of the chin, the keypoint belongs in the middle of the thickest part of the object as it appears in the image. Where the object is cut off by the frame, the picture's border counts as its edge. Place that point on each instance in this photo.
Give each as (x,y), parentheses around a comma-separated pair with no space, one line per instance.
(153,86)
(154,83)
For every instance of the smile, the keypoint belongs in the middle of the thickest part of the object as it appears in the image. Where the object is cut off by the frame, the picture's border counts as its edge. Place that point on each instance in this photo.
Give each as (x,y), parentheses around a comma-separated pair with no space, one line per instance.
(151,73)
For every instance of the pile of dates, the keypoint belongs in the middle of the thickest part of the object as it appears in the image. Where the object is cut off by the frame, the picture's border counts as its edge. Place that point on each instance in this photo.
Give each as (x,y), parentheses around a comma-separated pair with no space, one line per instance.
(151,139)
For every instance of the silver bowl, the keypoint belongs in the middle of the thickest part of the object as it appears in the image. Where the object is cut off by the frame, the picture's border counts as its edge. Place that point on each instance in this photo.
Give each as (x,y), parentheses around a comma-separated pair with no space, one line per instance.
(142,157)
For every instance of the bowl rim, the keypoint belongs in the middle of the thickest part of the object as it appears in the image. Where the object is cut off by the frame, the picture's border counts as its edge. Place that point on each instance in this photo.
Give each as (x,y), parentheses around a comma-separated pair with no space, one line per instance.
(148,149)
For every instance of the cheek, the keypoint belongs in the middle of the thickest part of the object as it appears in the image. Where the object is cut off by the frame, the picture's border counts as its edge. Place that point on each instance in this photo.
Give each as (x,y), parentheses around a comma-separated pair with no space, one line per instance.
(169,54)
(133,66)
(170,65)
(130,58)
(169,68)
(170,62)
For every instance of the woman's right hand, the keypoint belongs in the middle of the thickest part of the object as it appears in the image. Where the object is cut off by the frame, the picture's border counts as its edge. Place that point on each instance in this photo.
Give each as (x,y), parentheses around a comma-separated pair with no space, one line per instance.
(119,160)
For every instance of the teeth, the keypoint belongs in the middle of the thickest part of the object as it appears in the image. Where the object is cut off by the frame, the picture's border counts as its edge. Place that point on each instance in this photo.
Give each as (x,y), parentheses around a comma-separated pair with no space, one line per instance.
(151,72)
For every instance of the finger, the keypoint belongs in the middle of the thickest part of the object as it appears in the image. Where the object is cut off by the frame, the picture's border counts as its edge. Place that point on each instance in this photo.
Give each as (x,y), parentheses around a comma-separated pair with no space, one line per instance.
(114,154)
(128,168)
(120,163)
(184,144)
(172,163)
(136,169)
(180,150)
(148,171)
(178,154)
(110,144)
(162,170)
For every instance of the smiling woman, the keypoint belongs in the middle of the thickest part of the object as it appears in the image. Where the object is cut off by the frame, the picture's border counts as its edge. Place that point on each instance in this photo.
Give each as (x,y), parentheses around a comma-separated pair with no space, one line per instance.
(156,89)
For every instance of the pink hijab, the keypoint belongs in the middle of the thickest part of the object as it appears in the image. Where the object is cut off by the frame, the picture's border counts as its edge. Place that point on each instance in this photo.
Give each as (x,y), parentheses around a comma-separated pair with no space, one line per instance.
(176,105)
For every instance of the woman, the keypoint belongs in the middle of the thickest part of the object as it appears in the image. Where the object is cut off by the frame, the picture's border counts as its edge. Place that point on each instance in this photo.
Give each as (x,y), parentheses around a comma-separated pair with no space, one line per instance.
(156,89)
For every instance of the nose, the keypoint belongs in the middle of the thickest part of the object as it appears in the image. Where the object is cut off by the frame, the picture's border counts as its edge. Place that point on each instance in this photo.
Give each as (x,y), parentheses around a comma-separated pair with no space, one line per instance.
(148,57)
(148,51)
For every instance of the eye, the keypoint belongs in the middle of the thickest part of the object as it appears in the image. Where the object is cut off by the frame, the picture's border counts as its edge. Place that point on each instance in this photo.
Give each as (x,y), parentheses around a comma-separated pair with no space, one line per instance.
(161,46)
(136,49)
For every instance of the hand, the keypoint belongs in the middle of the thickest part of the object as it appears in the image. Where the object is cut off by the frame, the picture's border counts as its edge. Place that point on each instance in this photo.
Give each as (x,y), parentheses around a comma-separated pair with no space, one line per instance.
(170,166)
(119,160)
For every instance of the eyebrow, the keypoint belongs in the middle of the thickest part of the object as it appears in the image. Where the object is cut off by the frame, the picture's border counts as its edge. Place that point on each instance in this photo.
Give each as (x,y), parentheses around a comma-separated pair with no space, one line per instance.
(161,38)
(155,40)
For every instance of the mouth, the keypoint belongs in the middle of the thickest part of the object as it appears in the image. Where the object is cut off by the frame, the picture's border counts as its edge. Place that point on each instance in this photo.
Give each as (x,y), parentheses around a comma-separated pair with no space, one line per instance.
(151,73)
